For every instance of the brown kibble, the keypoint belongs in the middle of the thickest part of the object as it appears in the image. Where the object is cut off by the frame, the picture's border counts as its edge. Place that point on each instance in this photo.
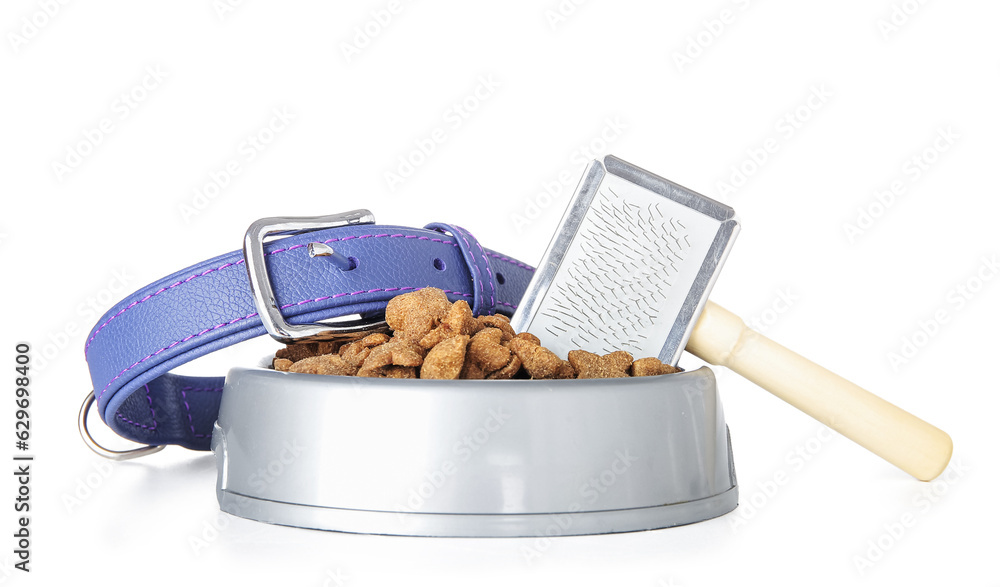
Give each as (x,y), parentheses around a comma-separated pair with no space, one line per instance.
(397,372)
(497,321)
(486,350)
(437,339)
(509,371)
(300,350)
(399,352)
(566,371)
(490,356)
(651,366)
(446,359)
(458,321)
(538,361)
(413,315)
(389,372)
(470,370)
(528,337)
(591,366)
(323,365)
(356,352)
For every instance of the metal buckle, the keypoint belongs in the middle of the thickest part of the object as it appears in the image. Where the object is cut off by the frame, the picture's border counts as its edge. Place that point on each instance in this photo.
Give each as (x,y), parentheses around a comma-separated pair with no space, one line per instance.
(114,455)
(260,281)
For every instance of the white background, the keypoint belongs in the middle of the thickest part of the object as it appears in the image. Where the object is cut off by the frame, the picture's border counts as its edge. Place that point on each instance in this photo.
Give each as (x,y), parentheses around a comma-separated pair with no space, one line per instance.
(690,92)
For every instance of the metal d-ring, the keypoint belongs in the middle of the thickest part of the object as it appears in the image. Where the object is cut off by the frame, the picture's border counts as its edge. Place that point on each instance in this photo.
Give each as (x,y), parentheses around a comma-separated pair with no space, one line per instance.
(114,455)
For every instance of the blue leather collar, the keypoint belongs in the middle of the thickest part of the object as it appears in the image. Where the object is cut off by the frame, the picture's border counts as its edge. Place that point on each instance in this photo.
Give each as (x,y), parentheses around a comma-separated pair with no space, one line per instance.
(209,306)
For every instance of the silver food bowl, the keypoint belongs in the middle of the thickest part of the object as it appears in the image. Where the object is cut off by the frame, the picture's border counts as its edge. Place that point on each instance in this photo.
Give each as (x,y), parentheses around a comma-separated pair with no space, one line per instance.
(473,458)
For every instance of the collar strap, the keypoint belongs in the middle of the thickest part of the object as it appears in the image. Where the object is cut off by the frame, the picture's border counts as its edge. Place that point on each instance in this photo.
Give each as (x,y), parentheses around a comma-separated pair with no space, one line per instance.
(209,306)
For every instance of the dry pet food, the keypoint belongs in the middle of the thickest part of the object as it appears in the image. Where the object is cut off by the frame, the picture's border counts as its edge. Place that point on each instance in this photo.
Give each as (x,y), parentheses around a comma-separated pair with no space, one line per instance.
(433,338)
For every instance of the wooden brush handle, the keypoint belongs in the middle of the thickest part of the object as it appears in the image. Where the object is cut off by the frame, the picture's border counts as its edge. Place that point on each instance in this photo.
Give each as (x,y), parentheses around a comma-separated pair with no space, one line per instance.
(721,338)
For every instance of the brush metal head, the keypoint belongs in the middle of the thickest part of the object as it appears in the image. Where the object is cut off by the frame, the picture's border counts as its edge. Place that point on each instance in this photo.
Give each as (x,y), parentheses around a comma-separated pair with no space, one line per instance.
(629,268)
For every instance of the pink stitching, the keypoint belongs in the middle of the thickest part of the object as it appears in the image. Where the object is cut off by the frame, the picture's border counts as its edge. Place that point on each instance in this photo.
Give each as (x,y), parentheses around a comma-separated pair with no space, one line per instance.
(493,289)
(124,419)
(155,293)
(152,412)
(486,262)
(235,320)
(511,261)
(472,254)
(187,408)
(224,266)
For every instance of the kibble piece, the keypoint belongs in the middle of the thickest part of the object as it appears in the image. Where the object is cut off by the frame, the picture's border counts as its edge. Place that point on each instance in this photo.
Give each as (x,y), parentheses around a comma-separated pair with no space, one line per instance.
(538,361)
(301,350)
(528,337)
(458,321)
(490,356)
(566,371)
(399,352)
(470,370)
(323,365)
(591,366)
(651,366)
(497,321)
(446,359)
(281,364)
(413,315)
(356,352)
(397,372)
(508,372)
(486,350)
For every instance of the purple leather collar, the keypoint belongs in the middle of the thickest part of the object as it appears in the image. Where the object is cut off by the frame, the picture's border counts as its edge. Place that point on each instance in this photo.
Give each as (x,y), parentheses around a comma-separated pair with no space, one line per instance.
(209,306)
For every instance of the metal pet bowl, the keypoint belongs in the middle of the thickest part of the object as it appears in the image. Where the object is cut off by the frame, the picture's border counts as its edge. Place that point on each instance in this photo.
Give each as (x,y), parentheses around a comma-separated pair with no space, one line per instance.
(473,458)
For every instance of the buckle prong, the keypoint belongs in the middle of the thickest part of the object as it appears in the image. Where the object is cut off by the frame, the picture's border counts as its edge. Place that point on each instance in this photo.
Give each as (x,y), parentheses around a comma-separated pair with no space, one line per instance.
(325,250)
